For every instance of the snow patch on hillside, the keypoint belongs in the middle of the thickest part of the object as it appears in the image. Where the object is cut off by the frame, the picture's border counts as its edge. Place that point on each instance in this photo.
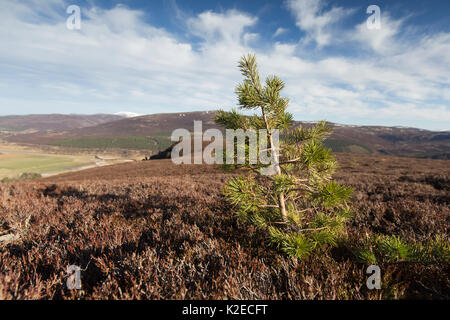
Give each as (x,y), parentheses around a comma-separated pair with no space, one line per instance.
(127,114)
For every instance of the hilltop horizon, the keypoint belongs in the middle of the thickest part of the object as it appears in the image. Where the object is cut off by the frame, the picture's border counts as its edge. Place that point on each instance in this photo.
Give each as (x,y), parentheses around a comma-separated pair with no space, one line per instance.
(121,132)
(126,114)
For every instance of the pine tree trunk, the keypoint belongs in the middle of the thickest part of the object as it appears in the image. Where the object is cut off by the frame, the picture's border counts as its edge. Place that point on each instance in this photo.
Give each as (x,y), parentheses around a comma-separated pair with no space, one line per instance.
(281,200)
(281,196)
(282,206)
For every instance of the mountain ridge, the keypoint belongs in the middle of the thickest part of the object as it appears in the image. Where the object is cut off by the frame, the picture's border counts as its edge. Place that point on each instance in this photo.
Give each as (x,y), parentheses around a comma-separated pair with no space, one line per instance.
(400,141)
(54,121)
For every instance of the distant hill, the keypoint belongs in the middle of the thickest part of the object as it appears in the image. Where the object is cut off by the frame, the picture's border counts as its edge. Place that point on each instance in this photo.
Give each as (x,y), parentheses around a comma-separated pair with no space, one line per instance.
(133,133)
(148,132)
(149,125)
(154,124)
(400,141)
(52,122)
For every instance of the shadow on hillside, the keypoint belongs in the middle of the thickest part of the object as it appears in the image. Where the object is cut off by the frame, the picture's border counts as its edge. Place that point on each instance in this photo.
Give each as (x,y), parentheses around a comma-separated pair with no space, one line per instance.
(55,191)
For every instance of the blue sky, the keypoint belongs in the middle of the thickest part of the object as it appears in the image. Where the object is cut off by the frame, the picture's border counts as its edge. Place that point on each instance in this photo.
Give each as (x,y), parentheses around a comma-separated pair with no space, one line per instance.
(176,56)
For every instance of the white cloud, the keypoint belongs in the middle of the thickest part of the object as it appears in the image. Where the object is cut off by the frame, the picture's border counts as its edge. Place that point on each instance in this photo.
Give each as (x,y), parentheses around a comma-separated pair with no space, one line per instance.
(317,22)
(118,62)
(380,40)
(227,27)
(279,32)
(249,38)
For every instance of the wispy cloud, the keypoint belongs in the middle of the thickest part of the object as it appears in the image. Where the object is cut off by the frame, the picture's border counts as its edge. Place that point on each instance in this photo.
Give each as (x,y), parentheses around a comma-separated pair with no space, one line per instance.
(382,40)
(221,27)
(119,61)
(279,32)
(312,17)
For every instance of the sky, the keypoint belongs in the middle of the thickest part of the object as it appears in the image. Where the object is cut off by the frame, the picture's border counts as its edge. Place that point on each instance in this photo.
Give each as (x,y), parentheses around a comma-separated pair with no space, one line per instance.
(162,56)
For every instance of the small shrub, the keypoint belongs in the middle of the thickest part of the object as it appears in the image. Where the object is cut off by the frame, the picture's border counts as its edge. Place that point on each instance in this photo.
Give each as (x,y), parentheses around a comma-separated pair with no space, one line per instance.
(23,176)
(299,208)
(392,249)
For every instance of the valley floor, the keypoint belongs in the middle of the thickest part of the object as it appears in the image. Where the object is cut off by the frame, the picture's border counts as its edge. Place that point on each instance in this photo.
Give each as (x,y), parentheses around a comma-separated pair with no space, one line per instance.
(16,160)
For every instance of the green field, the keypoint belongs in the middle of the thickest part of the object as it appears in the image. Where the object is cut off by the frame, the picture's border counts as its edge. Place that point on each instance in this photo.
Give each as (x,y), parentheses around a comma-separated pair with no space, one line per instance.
(158,143)
(346,146)
(7,128)
(14,164)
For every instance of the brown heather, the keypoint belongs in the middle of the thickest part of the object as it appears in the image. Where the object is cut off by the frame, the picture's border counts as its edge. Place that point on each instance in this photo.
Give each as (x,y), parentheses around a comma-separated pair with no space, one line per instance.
(152,230)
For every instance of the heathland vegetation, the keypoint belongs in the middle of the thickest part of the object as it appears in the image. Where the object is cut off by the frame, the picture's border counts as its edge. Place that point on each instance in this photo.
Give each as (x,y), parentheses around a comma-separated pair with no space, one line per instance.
(155,230)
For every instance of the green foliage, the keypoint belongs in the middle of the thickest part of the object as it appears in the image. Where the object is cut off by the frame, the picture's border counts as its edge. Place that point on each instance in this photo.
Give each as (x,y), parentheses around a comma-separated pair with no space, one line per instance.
(293,244)
(317,161)
(332,194)
(438,249)
(299,208)
(244,193)
(392,249)
(298,245)
(22,177)
(316,133)
(283,184)
(346,146)
(232,120)
(366,255)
